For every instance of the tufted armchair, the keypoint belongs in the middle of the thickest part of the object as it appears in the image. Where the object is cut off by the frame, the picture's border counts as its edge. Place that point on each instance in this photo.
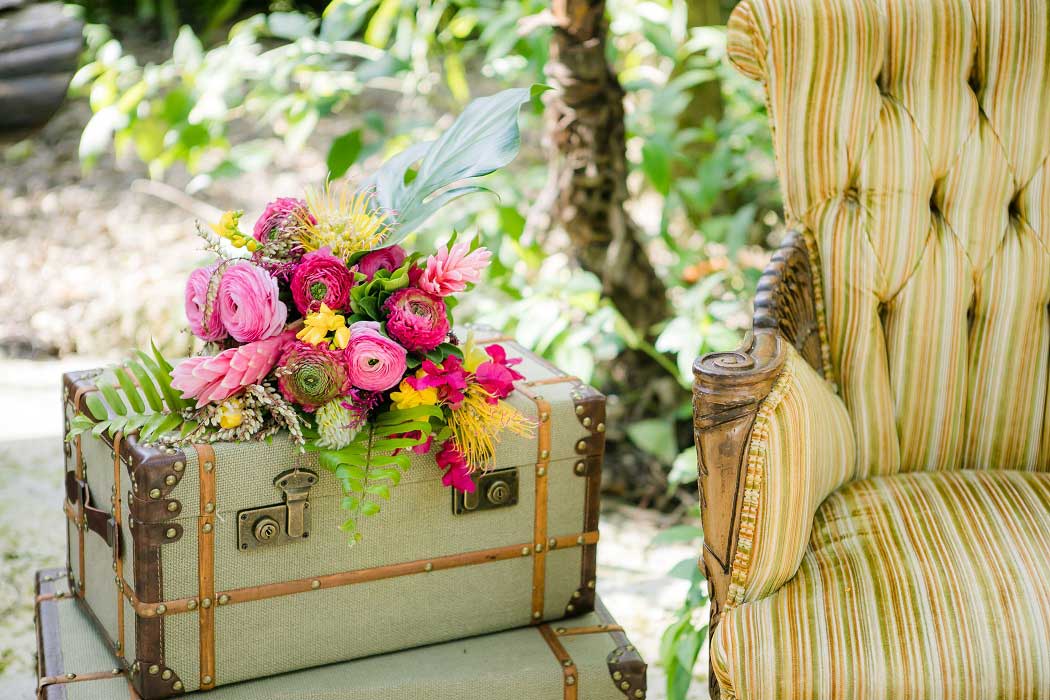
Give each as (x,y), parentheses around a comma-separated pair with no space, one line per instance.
(875,460)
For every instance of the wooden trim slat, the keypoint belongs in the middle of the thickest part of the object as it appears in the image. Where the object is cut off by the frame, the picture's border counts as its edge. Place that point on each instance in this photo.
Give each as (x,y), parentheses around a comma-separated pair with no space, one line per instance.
(543,460)
(593,629)
(206,564)
(568,667)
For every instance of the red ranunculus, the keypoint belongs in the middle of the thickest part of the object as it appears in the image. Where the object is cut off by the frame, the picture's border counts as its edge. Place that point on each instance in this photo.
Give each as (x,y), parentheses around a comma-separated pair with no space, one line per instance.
(321,278)
(416,319)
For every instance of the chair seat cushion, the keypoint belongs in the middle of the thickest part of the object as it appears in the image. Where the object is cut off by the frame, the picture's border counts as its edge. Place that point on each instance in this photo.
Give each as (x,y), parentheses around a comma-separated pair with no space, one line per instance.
(922,585)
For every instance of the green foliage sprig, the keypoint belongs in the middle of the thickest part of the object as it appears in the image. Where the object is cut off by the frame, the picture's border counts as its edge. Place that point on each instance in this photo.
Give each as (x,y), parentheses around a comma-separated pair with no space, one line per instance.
(374,461)
(140,398)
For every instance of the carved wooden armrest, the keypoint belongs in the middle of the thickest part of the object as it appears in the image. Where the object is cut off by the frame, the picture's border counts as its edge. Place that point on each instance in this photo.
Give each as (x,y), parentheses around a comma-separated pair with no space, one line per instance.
(729,388)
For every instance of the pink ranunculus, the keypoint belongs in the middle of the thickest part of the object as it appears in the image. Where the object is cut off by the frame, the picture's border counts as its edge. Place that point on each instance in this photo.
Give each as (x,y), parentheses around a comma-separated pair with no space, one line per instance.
(449,271)
(310,375)
(210,328)
(248,303)
(416,319)
(280,213)
(321,278)
(457,471)
(389,259)
(217,378)
(373,361)
(497,376)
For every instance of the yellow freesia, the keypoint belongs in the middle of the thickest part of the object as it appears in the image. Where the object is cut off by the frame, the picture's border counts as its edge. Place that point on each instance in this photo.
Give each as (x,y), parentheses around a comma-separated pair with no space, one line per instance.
(231,414)
(229,228)
(319,324)
(407,397)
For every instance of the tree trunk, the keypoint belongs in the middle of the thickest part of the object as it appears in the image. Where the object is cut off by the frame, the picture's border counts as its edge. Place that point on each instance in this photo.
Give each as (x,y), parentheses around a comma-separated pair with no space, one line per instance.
(587,187)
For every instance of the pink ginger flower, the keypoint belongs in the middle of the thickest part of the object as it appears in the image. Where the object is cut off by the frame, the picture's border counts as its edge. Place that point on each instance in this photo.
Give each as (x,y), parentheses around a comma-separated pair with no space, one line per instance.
(217,378)
(457,472)
(497,376)
(450,270)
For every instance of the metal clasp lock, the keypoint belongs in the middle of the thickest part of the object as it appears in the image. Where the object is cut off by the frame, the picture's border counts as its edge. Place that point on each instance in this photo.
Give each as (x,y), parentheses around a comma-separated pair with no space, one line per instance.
(495,489)
(283,522)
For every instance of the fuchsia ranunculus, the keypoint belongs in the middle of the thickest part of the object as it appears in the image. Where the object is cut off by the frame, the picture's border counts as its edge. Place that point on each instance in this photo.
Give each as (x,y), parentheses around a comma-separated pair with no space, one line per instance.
(321,278)
(449,378)
(457,472)
(210,328)
(310,375)
(389,258)
(450,270)
(373,361)
(281,212)
(248,303)
(416,319)
(497,376)
(217,378)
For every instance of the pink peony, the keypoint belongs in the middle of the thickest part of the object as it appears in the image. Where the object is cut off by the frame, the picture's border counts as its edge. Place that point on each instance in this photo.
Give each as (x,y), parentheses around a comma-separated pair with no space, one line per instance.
(248,303)
(217,378)
(458,472)
(389,259)
(321,278)
(416,319)
(374,362)
(449,271)
(210,328)
(280,213)
(497,376)
(311,376)
(449,378)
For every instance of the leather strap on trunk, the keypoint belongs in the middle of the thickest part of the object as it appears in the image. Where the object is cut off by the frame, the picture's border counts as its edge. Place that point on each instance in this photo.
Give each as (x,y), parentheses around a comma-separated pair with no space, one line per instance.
(97,520)
(568,666)
(206,564)
(118,561)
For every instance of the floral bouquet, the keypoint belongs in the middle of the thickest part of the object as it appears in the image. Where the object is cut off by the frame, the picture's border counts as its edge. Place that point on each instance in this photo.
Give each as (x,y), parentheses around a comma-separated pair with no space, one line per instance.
(320,324)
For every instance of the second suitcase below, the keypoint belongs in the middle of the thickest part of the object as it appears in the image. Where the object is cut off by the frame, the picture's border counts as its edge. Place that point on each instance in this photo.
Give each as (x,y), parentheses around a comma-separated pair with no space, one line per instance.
(583,658)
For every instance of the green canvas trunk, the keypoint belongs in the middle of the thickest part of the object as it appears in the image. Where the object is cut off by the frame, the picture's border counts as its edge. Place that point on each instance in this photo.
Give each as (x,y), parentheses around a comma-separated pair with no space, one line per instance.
(220,563)
(586,657)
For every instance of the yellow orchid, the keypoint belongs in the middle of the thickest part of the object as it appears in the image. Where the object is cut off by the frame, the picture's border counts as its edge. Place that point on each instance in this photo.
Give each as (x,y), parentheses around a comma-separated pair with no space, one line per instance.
(473,355)
(319,324)
(231,414)
(408,397)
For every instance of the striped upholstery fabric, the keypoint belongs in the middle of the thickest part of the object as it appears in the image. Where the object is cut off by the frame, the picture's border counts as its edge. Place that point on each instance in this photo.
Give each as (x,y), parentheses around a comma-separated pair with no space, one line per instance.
(801,450)
(911,140)
(923,585)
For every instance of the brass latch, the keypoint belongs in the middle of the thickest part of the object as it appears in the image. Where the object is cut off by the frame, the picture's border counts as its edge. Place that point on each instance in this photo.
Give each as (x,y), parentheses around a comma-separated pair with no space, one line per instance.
(495,489)
(283,522)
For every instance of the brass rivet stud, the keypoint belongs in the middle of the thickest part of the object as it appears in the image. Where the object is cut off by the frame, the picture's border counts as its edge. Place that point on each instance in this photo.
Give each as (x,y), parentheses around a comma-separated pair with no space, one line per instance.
(617,676)
(315,584)
(115,671)
(552,543)
(208,466)
(536,615)
(206,528)
(191,605)
(570,607)
(166,675)
(428,566)
(206,680)
(570,680)
(630,648)
(625,686)
(576,594)
(581,445)
(170,480)
(161,609)
(525,551)
(579,410)
(206,603)
(224,599)
(590,584)
(580,467)
(178,466)
(639,694)
(177,685)
(539,547)
(545,454)
(209,508)
(71,676)
(173,506)
(541,471)
(587,422)
(545,416)
(170,533)
(579,540)
(600,427)
(153,670)
(154,493)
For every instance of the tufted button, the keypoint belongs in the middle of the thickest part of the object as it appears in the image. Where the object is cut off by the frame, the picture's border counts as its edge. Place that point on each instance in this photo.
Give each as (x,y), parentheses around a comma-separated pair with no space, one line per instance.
(851,195)
(974,81)
(1014,208)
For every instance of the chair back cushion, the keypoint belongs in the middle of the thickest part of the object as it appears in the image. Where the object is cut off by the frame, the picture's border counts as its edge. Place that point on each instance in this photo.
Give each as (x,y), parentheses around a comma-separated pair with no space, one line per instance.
(911,142)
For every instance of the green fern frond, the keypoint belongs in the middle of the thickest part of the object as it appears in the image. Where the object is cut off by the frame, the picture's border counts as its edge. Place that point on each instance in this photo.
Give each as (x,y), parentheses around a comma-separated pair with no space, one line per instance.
(373,463)
(138,398)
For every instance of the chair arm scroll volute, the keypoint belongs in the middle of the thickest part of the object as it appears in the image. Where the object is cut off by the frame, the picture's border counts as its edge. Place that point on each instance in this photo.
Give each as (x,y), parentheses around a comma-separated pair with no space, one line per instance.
(728,391)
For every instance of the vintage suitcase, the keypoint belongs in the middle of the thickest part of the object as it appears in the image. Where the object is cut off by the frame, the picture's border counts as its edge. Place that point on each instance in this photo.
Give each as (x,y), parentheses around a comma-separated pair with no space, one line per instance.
(221,563)
(586,657)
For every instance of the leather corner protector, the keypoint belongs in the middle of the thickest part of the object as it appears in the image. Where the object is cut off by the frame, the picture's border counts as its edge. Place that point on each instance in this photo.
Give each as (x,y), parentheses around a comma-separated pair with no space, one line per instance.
(155,681)
(628,671)
(153,510)
(582,601)
(153,469)
(153,534)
